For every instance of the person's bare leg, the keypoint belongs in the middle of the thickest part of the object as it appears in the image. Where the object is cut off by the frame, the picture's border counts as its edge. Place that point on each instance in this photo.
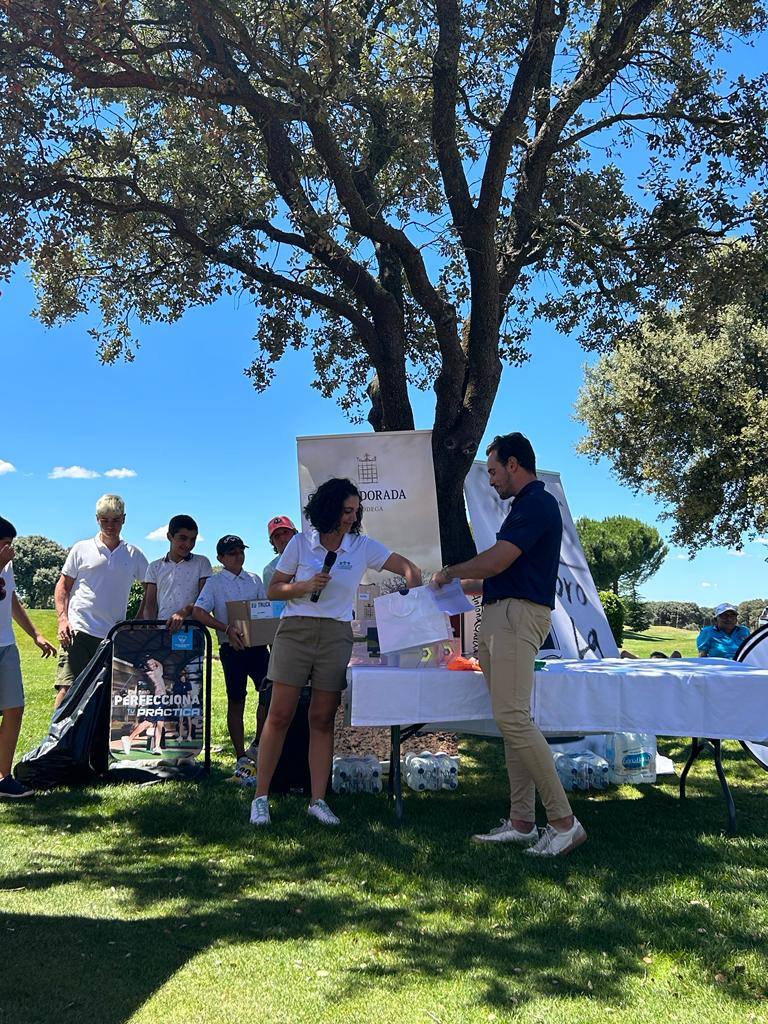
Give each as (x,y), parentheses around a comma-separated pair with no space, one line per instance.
(139,729)
(10,727)
(61,693)
(235,712)
(322,715)
(282,708)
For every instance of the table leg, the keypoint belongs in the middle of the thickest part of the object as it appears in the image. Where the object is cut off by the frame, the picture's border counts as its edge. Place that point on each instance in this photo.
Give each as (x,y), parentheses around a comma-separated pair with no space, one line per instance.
(395,779)
(697,748)
(717,748)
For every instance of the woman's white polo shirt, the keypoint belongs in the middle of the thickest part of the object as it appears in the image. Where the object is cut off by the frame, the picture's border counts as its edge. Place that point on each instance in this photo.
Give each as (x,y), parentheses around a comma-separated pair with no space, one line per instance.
(303,558)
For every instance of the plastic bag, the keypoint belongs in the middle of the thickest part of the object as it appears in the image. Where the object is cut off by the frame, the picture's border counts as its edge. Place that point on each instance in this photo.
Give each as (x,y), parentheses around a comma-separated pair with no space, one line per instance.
(410,620)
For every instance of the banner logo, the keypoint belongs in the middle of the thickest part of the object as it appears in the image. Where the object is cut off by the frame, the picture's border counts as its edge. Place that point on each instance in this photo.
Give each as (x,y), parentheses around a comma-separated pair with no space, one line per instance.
(367,469)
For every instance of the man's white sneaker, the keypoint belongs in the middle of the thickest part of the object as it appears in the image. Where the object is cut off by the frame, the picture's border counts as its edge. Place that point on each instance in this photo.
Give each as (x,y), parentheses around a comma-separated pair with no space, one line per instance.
(505,832)
(320,810)
(553,843)
(260,811)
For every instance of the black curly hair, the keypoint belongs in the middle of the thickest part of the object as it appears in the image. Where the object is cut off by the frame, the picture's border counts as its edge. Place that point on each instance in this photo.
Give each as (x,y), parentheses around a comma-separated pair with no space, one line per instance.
(324,508)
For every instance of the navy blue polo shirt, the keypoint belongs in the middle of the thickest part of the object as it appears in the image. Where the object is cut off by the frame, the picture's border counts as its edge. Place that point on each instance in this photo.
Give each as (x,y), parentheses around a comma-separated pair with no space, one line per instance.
(535,525)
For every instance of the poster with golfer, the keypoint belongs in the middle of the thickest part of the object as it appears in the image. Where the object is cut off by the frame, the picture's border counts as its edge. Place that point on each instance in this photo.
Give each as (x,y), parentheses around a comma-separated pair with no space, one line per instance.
(157,695)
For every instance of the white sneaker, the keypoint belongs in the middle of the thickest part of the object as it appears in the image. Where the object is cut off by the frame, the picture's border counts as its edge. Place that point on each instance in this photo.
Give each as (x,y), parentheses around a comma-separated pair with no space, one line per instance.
(505,832)
(320,810)
(553,843)
(260,811)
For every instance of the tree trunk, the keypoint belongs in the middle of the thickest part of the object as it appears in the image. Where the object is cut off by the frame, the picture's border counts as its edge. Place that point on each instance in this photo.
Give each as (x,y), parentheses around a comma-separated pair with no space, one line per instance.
(451,468)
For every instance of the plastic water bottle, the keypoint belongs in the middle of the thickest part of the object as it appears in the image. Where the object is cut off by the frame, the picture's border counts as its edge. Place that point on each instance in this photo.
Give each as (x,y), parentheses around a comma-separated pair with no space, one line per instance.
(566,770)
(631,757)
(448,770)
(421,771)
(356,775)
(597,767)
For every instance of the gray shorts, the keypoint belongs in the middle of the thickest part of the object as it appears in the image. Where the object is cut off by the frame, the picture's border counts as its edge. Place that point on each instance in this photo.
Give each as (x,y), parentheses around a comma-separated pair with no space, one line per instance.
(306,647)
(11,688)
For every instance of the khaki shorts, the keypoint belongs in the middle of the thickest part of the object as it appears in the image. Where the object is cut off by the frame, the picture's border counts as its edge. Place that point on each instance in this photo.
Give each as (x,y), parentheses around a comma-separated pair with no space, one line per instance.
(73,660)
(307,648)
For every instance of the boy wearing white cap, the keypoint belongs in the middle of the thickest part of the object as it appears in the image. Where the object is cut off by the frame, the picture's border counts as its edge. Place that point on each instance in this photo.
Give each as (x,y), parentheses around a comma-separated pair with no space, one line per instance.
(724,638)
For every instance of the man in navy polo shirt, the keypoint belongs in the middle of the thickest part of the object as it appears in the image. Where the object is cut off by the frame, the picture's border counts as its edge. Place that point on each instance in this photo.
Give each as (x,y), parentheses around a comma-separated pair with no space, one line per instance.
(517,578)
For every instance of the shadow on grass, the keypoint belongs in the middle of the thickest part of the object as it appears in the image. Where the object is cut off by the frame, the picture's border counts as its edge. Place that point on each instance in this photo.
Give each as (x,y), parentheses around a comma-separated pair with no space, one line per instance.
(431,902)
(96,970)
(646,637)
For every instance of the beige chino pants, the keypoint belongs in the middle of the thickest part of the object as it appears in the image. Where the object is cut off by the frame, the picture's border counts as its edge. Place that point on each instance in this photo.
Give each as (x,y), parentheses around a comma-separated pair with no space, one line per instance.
(511,633)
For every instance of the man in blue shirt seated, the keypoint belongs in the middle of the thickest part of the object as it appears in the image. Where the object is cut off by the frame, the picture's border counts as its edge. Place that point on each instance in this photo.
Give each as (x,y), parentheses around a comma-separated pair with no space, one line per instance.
(724,638)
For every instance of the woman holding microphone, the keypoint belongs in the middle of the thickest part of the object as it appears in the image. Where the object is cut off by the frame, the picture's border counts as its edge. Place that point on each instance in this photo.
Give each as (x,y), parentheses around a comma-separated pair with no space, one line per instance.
(317,576)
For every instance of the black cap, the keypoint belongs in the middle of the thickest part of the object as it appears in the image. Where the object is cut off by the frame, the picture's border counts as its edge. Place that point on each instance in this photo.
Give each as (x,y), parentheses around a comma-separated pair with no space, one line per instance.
(229,542)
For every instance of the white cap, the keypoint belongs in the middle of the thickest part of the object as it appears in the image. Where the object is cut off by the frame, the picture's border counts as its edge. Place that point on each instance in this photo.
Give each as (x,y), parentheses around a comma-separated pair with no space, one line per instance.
(723,608)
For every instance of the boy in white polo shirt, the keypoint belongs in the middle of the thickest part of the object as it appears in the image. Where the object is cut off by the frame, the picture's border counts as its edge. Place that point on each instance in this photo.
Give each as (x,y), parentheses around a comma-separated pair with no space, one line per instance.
(92,593)
(237,661)
(172,584)
(11,687)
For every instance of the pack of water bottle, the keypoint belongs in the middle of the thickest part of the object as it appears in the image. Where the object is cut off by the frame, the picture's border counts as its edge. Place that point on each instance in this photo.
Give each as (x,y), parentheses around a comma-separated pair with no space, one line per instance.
(426,771)
(632,757)
(582,770)
(356,775)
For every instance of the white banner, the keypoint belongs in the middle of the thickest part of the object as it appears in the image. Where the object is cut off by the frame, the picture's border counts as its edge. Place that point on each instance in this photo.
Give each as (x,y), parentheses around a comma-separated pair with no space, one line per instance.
(396,478)
(579,626)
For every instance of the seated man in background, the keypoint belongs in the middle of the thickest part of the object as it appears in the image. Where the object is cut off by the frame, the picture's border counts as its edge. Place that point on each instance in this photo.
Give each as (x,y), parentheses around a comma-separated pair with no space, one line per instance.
(724,638)
(172,584)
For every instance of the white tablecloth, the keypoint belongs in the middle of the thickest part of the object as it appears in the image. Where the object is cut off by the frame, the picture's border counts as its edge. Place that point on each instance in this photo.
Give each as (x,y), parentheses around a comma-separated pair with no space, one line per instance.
(710,697)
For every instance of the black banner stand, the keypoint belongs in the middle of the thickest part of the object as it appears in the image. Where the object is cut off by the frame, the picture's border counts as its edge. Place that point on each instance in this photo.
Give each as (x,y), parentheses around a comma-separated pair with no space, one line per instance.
(144,625)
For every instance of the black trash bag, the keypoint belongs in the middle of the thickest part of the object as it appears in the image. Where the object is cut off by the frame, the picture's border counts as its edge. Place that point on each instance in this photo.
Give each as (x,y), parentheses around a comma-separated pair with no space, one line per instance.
(292,771)
(76,750)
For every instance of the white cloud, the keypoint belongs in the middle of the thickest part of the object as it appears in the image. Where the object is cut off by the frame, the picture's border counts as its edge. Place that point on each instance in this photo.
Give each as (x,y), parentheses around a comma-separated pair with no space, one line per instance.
(738,554)
(761,540)
(706,583)
(6,467)
(121,474)
(161,533)
(72,473)
(682,558)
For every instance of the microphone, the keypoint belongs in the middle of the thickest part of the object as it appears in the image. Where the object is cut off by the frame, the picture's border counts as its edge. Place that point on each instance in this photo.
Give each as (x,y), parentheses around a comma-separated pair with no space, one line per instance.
(330,558)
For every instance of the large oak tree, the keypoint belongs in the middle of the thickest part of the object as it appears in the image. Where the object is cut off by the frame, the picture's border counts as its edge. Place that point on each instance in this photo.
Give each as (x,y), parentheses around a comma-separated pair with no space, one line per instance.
(404,186)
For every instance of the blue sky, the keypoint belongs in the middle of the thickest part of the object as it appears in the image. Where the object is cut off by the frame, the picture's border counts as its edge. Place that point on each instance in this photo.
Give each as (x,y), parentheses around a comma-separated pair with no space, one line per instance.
(185,420)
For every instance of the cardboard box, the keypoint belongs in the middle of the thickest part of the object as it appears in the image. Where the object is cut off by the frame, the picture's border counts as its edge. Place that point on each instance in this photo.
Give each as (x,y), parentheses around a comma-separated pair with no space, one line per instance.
(256,620)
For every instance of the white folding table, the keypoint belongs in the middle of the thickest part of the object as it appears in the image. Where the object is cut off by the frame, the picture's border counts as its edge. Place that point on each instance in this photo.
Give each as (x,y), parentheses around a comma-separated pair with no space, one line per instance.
(698,697)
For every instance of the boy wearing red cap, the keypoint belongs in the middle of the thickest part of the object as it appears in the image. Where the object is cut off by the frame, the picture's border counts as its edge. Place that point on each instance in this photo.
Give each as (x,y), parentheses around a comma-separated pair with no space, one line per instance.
(280,530)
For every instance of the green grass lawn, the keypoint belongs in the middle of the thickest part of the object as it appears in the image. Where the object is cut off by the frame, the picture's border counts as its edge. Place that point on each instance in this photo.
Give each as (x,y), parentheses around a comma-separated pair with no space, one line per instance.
(161,904)
(662,638)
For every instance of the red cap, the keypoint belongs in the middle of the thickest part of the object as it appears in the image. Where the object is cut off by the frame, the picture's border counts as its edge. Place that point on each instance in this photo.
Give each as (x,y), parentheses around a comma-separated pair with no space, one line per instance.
(280,523)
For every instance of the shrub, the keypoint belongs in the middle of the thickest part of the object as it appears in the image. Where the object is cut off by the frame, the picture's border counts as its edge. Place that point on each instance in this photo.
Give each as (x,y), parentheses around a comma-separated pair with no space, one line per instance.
(615,613)
(134,600)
